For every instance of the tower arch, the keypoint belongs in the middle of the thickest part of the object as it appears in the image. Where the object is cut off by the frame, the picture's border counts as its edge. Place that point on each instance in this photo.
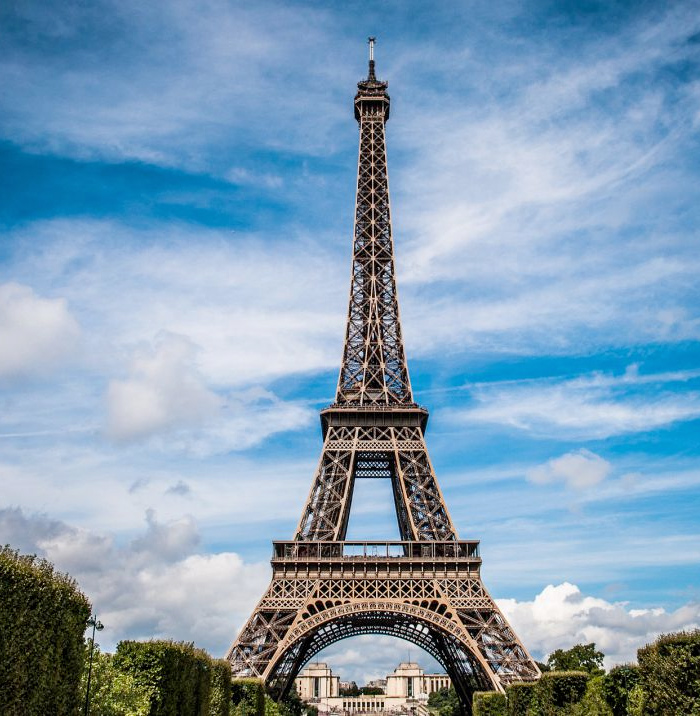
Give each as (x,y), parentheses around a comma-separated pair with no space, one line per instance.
(429,628)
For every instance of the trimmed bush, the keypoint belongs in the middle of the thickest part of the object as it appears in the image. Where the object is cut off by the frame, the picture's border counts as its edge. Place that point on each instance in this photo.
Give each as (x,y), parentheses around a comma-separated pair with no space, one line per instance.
(559,688)
(617,685)
(220,703)
(593,702)
(248,697)
(42,623)
(669,674)
(520,696)
(489,703)
(178,674)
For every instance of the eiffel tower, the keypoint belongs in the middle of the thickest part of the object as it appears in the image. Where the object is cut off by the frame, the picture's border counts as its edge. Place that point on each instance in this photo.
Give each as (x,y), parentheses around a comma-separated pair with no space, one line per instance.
(425,588)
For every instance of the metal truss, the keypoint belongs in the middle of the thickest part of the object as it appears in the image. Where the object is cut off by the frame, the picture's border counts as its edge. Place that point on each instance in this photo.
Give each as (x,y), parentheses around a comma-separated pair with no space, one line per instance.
(373,369)
(396,453)
(427,587)
(430,594)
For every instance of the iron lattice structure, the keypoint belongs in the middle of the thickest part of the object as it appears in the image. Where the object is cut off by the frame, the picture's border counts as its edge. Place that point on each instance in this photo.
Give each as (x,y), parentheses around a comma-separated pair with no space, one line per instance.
(427,587)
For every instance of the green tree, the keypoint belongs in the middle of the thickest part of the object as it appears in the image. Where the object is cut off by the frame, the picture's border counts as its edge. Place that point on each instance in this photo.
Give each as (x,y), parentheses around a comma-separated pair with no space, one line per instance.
(617,685)
(371,691)
(291,704)
(445,702)
(582,657)
(112,692)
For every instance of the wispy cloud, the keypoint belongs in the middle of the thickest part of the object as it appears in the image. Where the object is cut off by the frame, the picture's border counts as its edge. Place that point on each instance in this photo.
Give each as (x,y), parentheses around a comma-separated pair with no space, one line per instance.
(147,100)
(545,213)
(587,407)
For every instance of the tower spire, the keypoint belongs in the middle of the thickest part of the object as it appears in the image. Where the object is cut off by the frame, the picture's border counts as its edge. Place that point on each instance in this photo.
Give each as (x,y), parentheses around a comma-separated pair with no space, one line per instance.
(373,370)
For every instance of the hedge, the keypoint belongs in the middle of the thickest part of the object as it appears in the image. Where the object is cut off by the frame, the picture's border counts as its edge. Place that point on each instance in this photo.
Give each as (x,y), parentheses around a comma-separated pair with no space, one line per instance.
(42,623)
(179,675)
(488,703)
(669,674)
(220,704)
(520,696)
(248,697)
(559,688)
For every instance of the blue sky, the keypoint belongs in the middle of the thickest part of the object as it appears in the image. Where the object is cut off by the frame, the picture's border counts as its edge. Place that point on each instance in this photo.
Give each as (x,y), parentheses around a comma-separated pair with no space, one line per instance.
(177,185)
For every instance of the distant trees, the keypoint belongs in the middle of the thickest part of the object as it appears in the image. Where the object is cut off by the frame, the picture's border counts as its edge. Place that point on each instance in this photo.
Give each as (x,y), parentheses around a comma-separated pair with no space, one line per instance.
(444,702)
(112,692)
(582,657)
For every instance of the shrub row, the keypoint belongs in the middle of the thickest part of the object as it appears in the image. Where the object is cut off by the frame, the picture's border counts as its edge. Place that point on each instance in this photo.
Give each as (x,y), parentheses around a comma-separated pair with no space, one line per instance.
(248,697)
(546,697)
(182,680)
(666,683)
(42,622)
(489,703)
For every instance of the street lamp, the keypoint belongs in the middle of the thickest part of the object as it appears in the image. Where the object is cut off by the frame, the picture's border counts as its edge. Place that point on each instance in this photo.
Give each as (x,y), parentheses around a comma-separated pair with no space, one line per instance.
(99,626)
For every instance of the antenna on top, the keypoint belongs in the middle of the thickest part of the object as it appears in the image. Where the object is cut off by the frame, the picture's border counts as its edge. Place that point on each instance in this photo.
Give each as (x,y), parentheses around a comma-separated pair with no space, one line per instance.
(371,41)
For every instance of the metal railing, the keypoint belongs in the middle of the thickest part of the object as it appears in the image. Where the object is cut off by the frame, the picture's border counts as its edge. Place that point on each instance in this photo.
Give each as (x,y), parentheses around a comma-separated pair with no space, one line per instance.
(448,550)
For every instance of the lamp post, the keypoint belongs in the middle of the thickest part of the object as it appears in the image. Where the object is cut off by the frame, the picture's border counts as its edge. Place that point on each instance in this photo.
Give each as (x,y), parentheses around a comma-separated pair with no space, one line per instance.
(96,625)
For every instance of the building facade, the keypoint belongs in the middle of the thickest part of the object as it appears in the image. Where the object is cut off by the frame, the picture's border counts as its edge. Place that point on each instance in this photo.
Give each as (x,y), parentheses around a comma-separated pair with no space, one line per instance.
(316,681)
(406,692)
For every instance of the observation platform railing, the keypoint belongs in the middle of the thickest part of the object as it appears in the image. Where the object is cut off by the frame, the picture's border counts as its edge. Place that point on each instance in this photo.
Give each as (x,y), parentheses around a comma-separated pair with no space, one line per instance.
(462,550)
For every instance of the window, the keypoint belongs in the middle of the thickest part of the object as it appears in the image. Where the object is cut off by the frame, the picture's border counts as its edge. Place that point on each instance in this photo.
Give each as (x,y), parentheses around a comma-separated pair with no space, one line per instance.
(317,687)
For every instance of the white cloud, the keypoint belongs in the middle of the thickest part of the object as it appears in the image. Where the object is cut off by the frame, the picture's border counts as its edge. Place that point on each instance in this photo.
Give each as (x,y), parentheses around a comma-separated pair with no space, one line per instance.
(166,398)
(257,308)
(161,585)
(36,333)
(165,390)
(511,202)
(168,103)
(591,406)
(561,616)
(157,586)
(579,469)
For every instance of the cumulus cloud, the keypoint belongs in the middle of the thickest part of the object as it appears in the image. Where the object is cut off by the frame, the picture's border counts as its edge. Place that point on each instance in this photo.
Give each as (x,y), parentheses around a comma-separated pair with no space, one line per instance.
(164,390)
(579,469)
(166,394)
(254,307)
(36,333)
(561,616)
(590,406)
(158,585)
